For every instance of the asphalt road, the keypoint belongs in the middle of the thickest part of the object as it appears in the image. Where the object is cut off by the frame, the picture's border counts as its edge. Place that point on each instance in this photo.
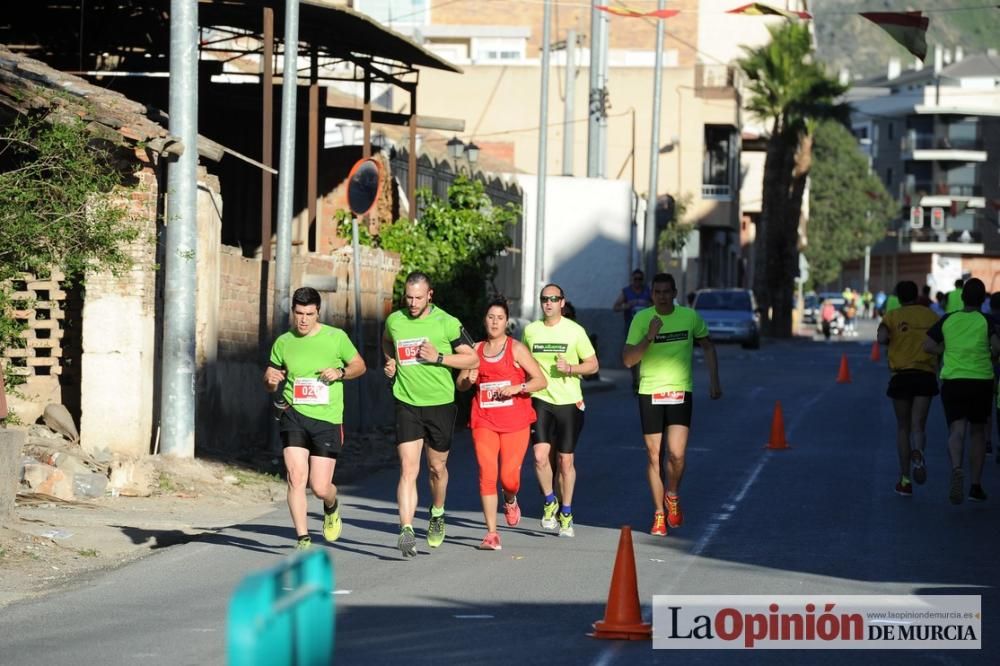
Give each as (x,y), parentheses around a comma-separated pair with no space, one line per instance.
(820,517)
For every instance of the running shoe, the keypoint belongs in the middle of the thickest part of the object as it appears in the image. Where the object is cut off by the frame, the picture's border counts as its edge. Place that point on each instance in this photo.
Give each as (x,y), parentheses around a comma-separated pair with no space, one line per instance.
(919,469)
(976,493)
(435,531)
(549,515)
(675,517)
(957,481)
(305,543)
(659,525)
(512,512)
(407,543)
(904,488)
(332,526)
(566,525)
(491,542)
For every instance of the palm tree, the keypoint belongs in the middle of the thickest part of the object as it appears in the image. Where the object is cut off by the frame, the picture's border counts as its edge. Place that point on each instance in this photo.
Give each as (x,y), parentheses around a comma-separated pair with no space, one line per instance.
(792,93)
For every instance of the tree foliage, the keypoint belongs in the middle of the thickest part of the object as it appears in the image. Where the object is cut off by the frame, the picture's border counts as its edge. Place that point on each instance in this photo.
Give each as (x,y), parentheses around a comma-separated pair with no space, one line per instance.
(455,242)
(57,210)
(849,208)
(792,93)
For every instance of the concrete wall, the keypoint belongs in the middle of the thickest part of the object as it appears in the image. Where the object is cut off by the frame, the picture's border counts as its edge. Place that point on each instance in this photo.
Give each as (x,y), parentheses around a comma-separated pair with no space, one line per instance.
(11,442)
(588,245)
(119,325)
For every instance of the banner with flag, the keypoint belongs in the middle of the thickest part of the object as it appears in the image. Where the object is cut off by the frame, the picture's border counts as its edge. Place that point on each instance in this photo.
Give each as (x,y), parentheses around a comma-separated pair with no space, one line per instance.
(760,9)
(907,28)
(632,13)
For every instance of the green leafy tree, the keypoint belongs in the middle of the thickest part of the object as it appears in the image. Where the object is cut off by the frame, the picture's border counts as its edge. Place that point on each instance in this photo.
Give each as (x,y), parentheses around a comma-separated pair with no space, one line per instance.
(455,242)
(675,236)
(849,208)
(791,92)
(57,210)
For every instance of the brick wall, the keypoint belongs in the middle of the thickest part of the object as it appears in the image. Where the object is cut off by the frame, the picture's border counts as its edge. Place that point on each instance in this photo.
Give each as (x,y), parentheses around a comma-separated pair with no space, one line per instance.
(623,33)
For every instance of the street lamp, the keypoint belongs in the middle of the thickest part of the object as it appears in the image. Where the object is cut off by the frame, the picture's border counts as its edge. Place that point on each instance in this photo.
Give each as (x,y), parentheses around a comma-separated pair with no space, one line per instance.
(472,152)
(455,147)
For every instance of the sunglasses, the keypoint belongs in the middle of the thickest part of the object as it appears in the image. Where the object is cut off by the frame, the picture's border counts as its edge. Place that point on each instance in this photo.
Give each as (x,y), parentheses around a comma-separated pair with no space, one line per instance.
(550,299)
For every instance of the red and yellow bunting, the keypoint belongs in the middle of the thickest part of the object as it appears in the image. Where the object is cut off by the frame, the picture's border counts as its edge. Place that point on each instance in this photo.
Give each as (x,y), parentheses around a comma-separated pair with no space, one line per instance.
(632,13)
(760,9)
(907,28)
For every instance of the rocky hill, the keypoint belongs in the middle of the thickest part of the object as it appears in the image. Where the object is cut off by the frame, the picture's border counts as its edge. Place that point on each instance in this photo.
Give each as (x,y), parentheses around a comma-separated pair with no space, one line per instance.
(846,40)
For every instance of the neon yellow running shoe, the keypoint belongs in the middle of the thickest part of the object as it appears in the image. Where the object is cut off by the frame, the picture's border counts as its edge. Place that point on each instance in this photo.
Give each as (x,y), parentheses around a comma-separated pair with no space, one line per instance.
(549,515)
(435,531)
(305,543)
(332,525)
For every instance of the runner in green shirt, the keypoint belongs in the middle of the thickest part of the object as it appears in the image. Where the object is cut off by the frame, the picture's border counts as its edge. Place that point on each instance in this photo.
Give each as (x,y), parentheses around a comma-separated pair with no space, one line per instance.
(414,343)
(313,360)
(967,341)
(564,353)
(663,338)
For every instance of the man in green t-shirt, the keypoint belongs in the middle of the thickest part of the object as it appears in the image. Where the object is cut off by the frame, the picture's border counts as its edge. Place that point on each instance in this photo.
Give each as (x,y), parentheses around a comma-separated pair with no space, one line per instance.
(414,344)
(313,360)
(663,338)
(564,353)
(953,302)
(968,341)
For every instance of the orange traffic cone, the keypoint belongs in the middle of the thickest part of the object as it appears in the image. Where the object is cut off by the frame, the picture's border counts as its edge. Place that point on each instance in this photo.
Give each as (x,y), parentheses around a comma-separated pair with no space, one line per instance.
(876,352)
(844,376)
(622,617)
(777,440)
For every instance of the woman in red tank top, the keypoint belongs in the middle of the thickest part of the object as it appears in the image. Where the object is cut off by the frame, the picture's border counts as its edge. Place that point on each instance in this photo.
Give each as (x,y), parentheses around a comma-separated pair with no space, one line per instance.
(501,416)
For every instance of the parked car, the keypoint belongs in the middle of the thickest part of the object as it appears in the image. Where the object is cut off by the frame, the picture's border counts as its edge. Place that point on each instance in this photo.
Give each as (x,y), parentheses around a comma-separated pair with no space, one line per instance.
(810,308)
(731,315)
(837,325)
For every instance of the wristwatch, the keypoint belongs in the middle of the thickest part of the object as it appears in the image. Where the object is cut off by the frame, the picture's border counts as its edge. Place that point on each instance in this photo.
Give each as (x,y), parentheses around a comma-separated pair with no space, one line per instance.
(523,386)
(440,360)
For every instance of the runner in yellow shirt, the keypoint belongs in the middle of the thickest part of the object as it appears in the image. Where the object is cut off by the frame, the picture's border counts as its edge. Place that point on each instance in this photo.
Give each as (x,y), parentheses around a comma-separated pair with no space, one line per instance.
(663,338)
(913,383)
(564,353)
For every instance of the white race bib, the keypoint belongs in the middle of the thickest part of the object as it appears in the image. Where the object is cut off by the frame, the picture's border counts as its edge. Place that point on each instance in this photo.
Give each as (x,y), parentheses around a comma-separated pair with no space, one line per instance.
(310,392)
(668,398)
(407,351)
(489,395)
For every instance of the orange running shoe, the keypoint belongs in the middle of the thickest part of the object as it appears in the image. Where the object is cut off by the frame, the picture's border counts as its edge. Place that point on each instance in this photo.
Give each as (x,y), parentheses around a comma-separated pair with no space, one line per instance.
(675,518)
(659,525)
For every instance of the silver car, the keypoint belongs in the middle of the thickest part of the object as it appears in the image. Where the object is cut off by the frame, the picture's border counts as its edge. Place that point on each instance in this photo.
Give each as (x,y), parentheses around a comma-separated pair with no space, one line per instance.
(731,315)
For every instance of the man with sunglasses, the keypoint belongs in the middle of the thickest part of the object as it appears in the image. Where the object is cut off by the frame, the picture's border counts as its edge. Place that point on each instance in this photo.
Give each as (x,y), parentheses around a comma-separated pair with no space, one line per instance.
(663,338)
(564,353)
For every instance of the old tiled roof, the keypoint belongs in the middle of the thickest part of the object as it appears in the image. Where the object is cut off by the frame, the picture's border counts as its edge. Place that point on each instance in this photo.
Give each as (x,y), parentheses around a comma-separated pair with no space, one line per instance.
(30,86)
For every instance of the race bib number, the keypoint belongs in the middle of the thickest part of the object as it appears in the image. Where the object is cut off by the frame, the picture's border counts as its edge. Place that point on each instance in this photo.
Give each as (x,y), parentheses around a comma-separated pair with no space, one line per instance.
(310,392)
(490,396)
(407,351)
(669,398)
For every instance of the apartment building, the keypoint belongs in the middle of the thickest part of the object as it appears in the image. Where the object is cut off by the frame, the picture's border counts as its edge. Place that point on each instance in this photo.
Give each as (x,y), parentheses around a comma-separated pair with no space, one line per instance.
(933,136)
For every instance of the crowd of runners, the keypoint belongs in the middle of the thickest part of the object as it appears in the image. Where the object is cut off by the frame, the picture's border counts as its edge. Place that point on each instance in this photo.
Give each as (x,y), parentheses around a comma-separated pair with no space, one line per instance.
(526,392)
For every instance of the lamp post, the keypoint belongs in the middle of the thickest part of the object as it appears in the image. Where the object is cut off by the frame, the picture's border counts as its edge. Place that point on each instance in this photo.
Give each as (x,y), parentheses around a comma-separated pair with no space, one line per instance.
(458,149)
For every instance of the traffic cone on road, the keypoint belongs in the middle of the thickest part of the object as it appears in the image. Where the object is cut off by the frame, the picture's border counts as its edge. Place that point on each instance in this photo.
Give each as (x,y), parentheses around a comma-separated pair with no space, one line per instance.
(622,616)
(876,352)
(844,376)
(777,440)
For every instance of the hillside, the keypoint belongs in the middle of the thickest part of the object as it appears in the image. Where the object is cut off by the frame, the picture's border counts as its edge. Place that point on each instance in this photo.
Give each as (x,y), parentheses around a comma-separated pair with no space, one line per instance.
(847,40)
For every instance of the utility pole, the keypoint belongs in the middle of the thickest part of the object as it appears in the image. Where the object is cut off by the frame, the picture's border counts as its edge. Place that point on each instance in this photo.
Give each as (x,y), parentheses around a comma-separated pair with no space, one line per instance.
(543,136)
(569,106)
(177,409)
(286,174)
(598,95)
(649,238)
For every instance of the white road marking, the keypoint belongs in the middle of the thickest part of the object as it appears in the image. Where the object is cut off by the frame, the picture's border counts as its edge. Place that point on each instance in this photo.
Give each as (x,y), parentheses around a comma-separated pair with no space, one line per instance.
(473,617)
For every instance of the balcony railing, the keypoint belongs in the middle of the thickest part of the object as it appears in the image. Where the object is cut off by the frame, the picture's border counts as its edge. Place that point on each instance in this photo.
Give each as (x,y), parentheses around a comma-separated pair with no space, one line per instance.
(982,231)
(920,141)
(709,191)
(926,188)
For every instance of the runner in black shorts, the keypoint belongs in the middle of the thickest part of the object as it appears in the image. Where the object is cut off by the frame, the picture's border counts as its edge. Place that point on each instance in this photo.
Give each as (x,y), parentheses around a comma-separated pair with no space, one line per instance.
(564,353)
(313,360)
(913,382)
(414,344)
(968,341)
(662,338)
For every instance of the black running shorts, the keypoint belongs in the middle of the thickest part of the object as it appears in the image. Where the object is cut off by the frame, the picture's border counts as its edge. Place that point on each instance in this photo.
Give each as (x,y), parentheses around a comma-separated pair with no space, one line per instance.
(970,399)
(656,418)
(435,425)
(322,438)
(909,384)
(558,425)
